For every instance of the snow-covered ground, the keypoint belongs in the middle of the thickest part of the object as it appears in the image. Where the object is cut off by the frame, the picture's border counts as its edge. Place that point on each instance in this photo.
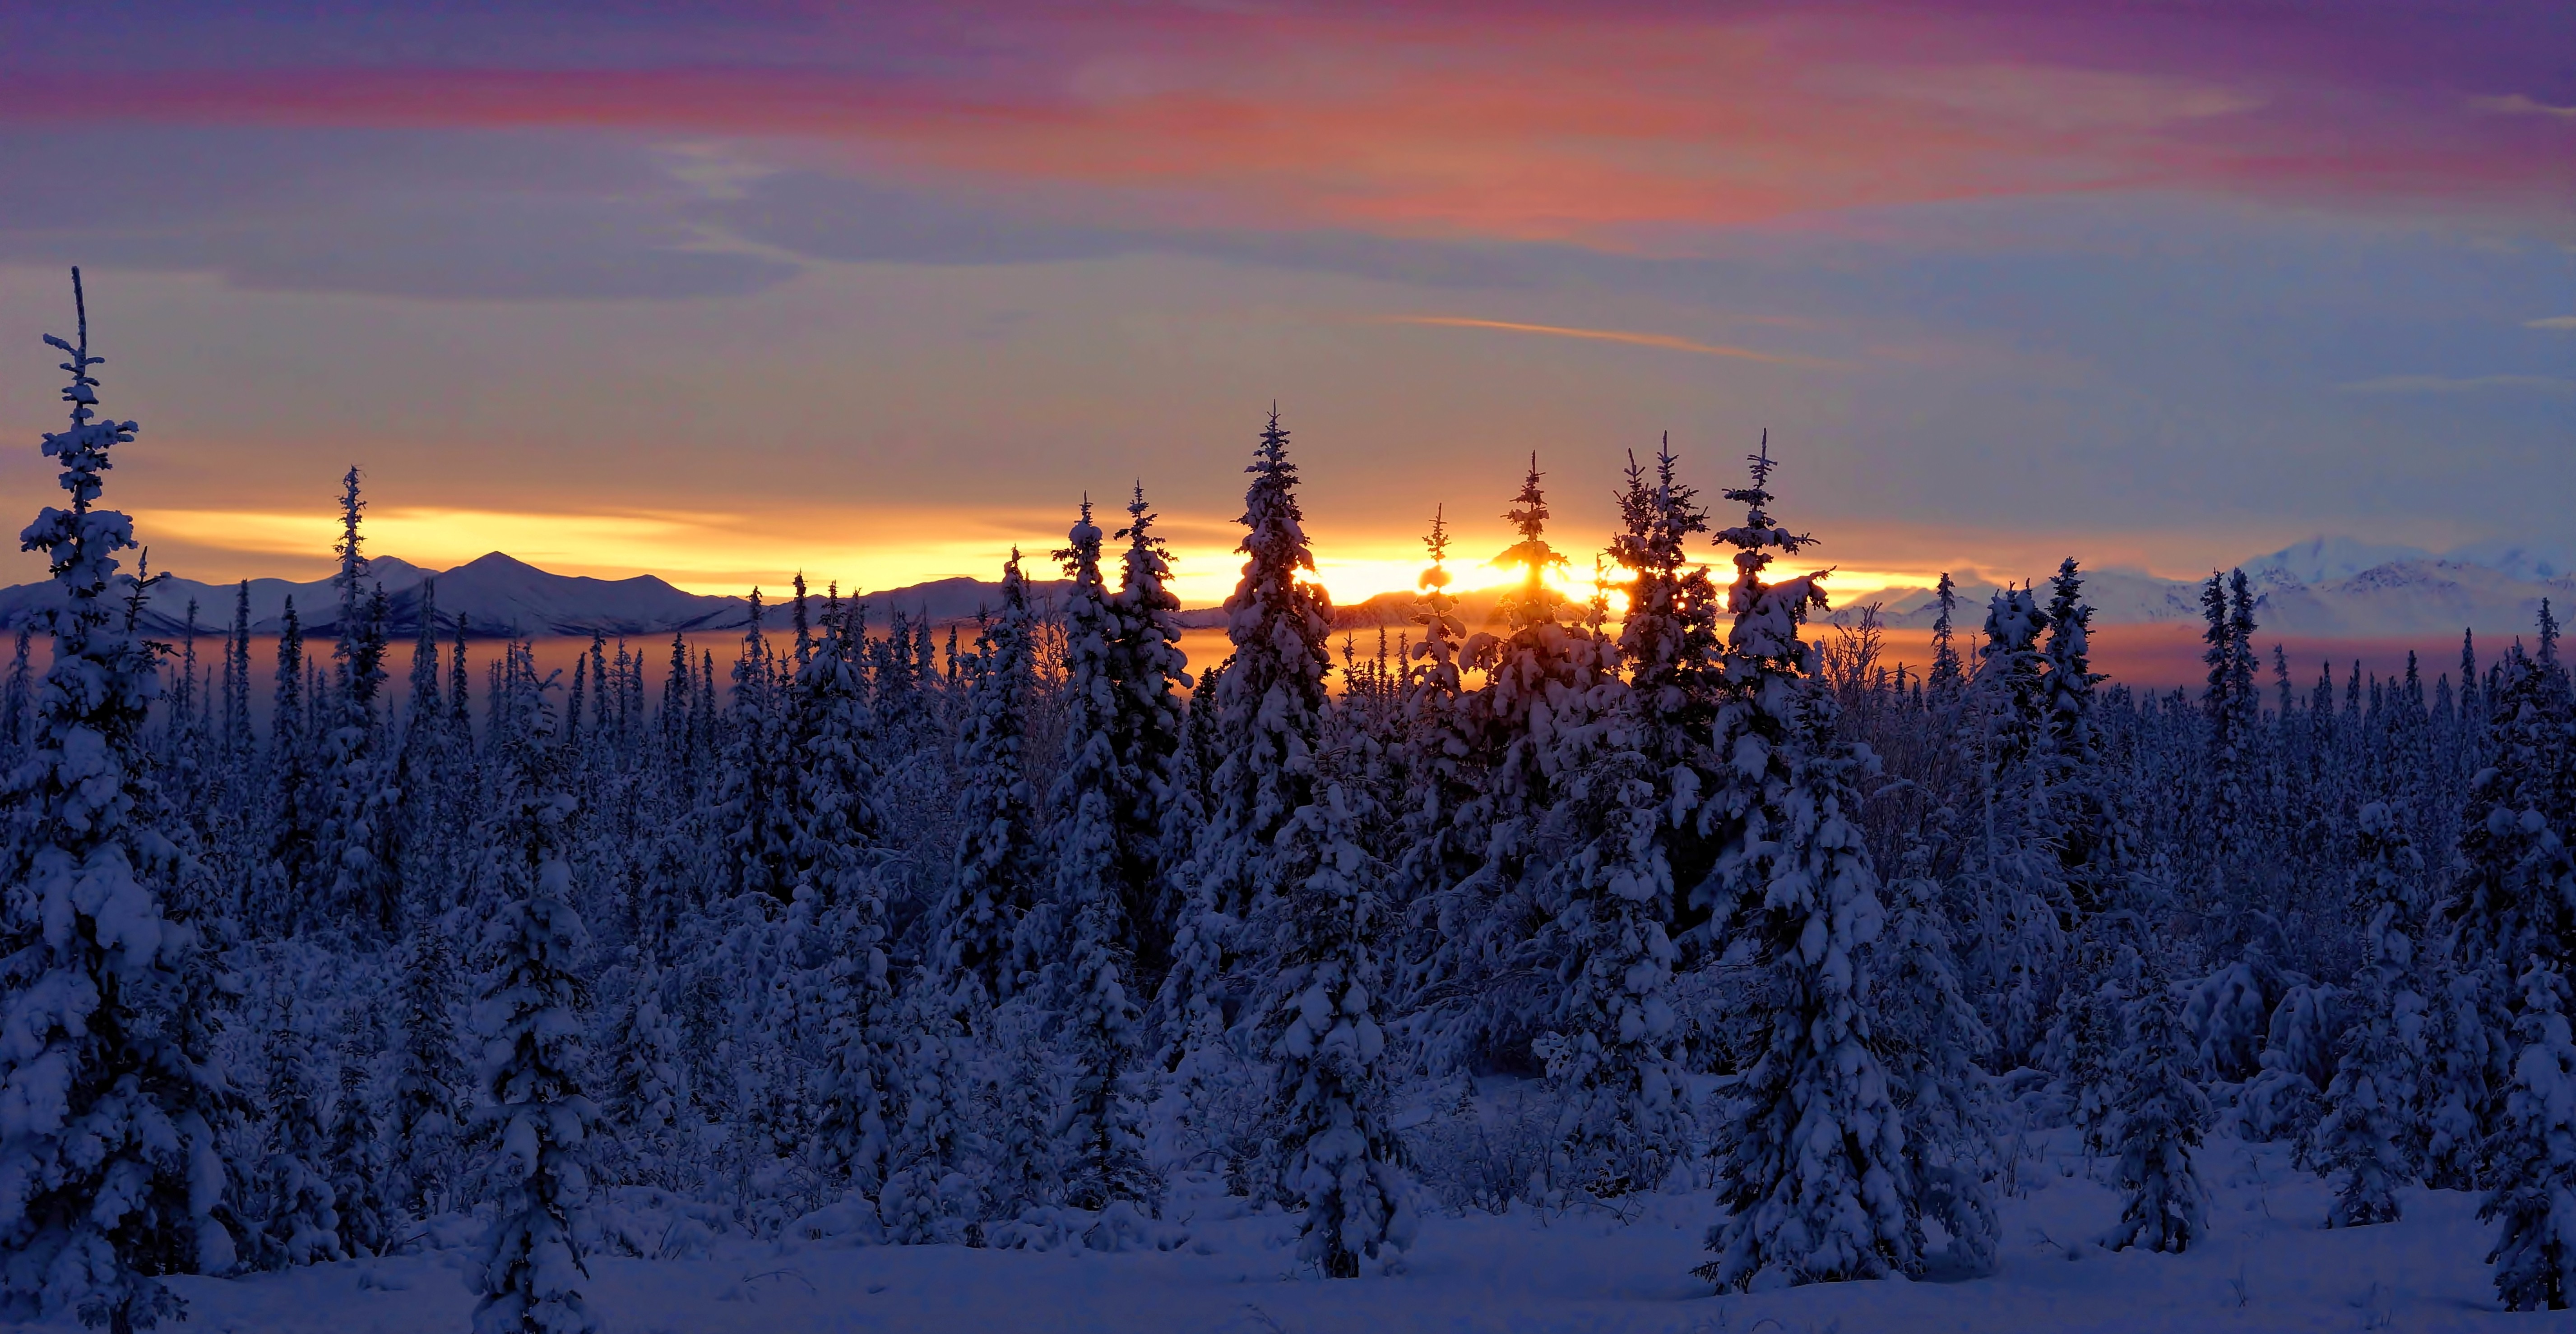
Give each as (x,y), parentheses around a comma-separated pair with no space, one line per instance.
(2270,1265)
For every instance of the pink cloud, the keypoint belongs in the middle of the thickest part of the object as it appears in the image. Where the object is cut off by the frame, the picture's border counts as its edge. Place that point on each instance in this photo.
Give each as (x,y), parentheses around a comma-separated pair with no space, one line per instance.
(1604,129)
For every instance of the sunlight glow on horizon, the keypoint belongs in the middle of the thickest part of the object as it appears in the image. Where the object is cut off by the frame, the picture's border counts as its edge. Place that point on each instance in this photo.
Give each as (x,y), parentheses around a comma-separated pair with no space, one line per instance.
(730,554)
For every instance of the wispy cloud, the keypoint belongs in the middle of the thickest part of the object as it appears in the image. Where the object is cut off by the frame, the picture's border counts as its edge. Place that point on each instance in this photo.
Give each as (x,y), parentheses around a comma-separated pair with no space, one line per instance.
(2515,104)
(1589,124)
(2552,322)
(1665,341)
(2462,384)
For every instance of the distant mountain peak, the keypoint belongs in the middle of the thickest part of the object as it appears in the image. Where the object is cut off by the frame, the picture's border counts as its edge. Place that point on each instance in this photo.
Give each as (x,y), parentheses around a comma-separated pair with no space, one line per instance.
(2325,558)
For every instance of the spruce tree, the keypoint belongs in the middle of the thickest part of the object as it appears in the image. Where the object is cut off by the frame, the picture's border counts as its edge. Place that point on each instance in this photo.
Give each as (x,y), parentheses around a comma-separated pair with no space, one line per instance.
(301,1225)
(647,1094)
(2161,1113)
(2090,843)
(429,1080)
(354,843)
(294,793)
(1947,677)
(1270,700)
(2366,1133)
(1437,854)
(997,867)
(1613,1040)
(1813,1151)
(114,1177)
(2535,1156)
(1333,1145)
(1930,1039)
(1083,929)
(530,1274)
(357,1154)
(1268,704)
(1158,812)
(2513,900)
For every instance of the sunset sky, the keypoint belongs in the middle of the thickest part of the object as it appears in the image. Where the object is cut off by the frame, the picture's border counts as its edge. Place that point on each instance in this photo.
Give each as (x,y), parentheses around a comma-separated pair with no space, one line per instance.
(720,291)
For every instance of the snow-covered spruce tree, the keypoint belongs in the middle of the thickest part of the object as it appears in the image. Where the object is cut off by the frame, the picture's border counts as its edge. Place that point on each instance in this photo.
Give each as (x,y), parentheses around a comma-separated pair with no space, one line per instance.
(2091,844)
(531,1269)
(2090,1030)
(287,903)
(2534,1151)
(301,1216)
(838,816)
(429,1079)
(2513,899)
(1948,675)
(426,857)
(2011,866)
(1271,699)
(355,847)
(839,823)
(356,1154)
(1332,1143)
(2161,1113)
(1531,728)
(1812,1153)
(1269,703)
(997,867)
(2234,711)
(1930,1039)
(2367,1134)
(1081,934)
(927,1198)
(1158,813)
(1436,854)
(109,1157)
(646,1094)
(757,781)
(1612,1045)
(1082,842)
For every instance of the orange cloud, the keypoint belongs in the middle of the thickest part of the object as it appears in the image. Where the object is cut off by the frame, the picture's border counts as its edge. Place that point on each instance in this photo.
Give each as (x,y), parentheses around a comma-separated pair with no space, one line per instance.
(1604,129)
(1665,341)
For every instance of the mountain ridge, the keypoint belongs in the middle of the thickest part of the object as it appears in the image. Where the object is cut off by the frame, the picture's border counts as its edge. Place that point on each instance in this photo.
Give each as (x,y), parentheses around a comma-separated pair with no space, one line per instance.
(2325,586)
(497,594)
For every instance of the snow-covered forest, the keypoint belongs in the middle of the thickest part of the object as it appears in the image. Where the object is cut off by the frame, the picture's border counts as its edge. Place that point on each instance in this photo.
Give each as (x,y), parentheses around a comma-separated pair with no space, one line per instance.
(1021,938)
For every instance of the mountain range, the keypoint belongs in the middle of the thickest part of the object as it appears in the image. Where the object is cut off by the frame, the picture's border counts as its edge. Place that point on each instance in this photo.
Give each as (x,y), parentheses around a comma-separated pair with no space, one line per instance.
(498,595)
(2329,587)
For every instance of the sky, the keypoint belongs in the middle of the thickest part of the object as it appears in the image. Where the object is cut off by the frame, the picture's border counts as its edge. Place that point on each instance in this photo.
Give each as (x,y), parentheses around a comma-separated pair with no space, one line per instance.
(719,292)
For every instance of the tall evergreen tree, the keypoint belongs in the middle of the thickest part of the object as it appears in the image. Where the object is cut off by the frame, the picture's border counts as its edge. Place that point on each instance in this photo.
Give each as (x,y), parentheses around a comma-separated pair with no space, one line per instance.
(2535,1156)
(294,793)
(2090,843)
(1271,699)
(109,1151)
(2161,1115)
(1331,1135)
(1437,853)
(1085,926)
(2365,1136)
(356,1154)
(531,1270)
(1158,812)
(1613,1039)
(1269,704)
(1948,675)
(429,1079)
(997,868)
(1813,1150)
(355,841)
(301,1222)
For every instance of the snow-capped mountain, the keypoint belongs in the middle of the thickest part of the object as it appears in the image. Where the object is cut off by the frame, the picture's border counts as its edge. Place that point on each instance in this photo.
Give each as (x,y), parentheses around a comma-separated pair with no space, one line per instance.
(2327,586)
(498,594)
